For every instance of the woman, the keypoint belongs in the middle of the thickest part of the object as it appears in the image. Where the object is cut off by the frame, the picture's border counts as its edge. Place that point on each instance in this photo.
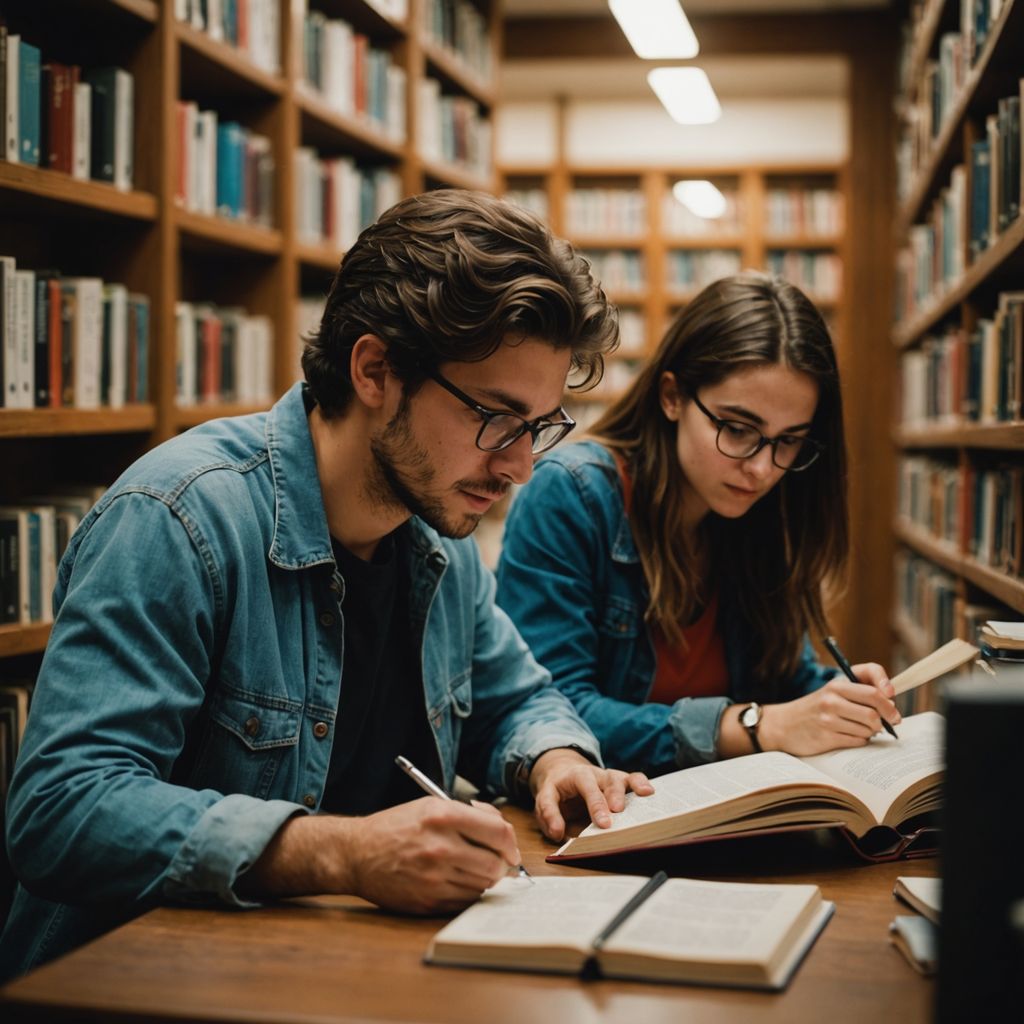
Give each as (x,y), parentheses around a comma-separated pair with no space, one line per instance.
(668,570)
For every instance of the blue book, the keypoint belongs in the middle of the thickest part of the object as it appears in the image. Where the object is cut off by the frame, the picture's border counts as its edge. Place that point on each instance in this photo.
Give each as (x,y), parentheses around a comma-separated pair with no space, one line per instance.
(225,170)
(140,339)
(980,191)
(35,584)
(28,103)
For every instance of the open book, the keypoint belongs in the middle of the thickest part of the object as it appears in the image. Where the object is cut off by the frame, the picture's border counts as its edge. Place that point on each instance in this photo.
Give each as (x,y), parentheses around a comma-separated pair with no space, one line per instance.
(869,792)
(626,926)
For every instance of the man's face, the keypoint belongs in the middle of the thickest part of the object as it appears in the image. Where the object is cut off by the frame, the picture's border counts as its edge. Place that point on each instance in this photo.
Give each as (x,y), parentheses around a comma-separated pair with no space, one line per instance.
(426,458)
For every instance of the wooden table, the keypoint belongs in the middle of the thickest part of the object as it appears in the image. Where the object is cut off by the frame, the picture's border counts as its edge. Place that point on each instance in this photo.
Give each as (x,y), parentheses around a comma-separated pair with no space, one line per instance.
(340,959)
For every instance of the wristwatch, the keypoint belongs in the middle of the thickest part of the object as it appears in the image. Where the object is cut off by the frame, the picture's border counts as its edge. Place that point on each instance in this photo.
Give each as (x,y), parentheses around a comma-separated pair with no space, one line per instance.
(750,719)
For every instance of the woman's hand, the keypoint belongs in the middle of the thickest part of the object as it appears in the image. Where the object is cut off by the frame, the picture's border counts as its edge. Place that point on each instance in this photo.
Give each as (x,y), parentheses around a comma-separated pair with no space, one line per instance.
(840,714)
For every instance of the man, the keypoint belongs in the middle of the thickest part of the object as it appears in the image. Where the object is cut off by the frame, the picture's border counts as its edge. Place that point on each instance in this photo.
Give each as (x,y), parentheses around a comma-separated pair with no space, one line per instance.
(261,614)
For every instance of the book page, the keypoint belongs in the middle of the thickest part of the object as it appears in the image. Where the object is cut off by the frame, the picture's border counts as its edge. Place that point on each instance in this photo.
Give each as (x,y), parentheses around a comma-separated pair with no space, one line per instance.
(926,891)
(707,785)
(879,772)
(726,922)
(553,911)
(946,658)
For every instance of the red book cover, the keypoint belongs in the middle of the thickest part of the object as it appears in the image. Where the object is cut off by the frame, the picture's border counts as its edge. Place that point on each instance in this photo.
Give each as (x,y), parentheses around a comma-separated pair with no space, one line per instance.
(211,334)
(181,164)
(58,111)
(360,45)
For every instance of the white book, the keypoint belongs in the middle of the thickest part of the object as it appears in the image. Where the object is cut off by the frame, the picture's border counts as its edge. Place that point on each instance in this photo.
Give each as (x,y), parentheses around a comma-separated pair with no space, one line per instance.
(181,11)
(124,129)
(8,334)
(185,362)
(215,19)
(206,153)
(187,162)
(87,340)
(25,336)
(47,567)
(115,347)
(396,81)
(339,66)
(82,138)
(11,124)
(263,359)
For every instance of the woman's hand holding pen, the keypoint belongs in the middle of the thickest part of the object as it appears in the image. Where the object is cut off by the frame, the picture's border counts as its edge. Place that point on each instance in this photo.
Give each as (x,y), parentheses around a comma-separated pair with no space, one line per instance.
(840,714)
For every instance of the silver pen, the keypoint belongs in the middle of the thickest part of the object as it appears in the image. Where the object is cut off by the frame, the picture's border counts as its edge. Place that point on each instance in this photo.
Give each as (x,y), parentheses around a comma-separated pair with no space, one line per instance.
(428,785)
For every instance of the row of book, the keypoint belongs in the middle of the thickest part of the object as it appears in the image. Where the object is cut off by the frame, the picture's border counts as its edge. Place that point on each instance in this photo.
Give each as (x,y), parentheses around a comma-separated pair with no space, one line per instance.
(336,198)
(535,200)
(223,354)
(71,341)
(351,75)
(977,510)
(803,211)
(632,332)
(606,211)
(690,270)
(459,27)
(819,274)
(453,129)
(15,696)
(941,84)
(968,216)
(679,221)
(253,27)
(617,269)
(926,596)
(57,116)
(223,168)
(960,377)
(33,536)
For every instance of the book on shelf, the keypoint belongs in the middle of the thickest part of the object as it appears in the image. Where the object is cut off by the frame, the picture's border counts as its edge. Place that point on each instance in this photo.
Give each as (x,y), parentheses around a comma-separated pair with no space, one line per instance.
(28,104)
(921,893)
(12,57)
(875,795)
(626,926)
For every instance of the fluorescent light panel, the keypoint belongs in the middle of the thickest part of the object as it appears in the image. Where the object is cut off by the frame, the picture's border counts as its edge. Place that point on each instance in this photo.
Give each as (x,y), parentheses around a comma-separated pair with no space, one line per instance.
(686,94)
(701,198)
(656,29)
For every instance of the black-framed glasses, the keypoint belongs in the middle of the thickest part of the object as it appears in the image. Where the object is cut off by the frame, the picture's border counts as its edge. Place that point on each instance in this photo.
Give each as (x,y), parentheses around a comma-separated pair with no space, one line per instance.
(501,429)
(739,440)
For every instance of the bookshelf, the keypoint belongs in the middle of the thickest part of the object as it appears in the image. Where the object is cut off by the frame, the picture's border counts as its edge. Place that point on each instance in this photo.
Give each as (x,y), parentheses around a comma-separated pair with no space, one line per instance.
(160,241)
(959,431)
(652,256)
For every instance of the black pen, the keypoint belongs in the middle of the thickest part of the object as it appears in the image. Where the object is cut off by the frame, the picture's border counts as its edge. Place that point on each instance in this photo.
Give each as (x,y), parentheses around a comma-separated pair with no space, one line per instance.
(428,785)
(840,659)
(634,901)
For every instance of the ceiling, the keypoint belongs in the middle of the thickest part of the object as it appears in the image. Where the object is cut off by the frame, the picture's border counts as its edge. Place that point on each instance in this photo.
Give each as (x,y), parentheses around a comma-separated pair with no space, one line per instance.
(625,78)
(560,8)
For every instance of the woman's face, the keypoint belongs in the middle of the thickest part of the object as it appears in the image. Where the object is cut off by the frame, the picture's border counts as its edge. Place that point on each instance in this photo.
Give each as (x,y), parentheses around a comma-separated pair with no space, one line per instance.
(772,399)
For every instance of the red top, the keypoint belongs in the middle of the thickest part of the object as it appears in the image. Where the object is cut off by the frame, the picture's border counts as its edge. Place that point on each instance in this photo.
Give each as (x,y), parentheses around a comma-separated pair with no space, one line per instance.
(699,668)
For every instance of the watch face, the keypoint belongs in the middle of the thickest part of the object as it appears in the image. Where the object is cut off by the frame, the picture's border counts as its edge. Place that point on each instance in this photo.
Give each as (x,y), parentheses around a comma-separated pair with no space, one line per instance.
(750,717)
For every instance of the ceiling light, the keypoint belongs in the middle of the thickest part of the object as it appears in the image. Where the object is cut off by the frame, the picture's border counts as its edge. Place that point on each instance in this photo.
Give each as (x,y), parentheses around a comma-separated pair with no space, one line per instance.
(686,94)
(700,198)
(656,29)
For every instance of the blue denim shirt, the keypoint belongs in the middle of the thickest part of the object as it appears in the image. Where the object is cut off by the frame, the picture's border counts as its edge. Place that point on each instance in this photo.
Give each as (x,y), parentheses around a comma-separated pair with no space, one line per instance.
(197,645)
(570,578)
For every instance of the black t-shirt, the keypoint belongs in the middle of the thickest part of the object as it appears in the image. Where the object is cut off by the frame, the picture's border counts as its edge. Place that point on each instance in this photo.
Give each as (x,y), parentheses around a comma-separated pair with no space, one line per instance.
(381,711)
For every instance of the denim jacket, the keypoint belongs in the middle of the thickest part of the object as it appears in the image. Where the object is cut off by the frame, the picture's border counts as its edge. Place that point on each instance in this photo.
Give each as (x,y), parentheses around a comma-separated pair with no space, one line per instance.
(570,578)
(186,701)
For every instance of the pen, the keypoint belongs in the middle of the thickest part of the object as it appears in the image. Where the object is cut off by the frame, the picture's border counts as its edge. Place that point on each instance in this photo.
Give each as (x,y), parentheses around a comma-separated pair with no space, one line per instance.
(428,785)
(840,660)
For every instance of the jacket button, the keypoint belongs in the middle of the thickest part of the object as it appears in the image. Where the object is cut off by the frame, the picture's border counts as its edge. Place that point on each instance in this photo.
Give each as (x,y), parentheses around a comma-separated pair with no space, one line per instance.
(309,800)
(320,730)
(252,726)
(327,619)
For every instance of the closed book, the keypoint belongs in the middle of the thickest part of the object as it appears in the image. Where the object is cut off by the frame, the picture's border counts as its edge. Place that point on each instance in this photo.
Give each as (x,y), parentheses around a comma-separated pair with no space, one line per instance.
(29,89)
(12,138)
(18,569)
(25,336)
(103,82)
(10,556)
(43,336)
(81,151)
(58,115)
(114,374)
(138,347)
(8,335)
(980,182)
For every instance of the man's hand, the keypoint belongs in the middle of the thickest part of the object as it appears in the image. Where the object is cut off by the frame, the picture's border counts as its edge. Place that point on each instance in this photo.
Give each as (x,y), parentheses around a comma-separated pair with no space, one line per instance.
(425,857)
(566,785)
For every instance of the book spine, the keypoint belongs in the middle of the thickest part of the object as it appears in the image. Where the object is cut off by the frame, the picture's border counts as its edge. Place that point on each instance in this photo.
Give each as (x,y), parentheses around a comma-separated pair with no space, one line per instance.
(42,339)
(124,129)
(8,334)
(11,134)
(54,340)
(81,152)
(103,124)
(25,308)
(29,103)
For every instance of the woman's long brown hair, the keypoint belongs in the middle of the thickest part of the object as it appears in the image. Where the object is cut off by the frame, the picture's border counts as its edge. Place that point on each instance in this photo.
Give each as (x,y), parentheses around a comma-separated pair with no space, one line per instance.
(776,560)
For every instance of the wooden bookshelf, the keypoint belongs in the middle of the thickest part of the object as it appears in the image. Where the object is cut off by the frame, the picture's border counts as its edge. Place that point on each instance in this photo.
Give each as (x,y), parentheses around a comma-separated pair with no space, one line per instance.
(956,443)
(146,240)
(750,237)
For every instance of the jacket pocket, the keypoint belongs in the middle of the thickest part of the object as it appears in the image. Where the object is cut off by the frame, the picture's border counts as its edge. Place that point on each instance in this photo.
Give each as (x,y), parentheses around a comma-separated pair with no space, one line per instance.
(260,722)
(620,618)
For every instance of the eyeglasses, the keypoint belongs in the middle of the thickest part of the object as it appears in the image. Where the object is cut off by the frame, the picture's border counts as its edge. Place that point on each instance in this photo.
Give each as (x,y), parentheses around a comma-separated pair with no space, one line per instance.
(739,440)
(501,429)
